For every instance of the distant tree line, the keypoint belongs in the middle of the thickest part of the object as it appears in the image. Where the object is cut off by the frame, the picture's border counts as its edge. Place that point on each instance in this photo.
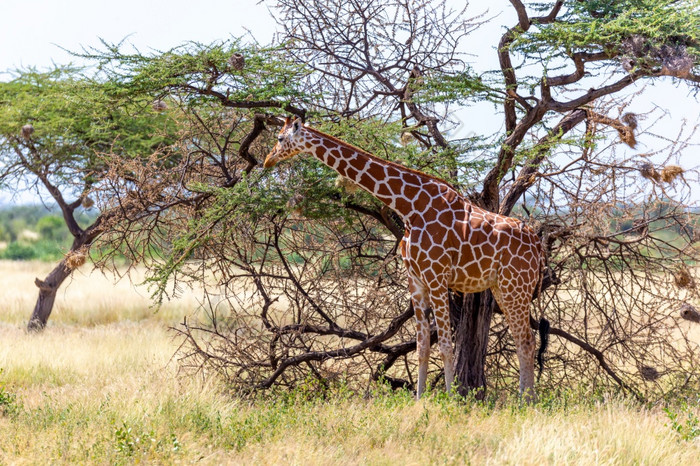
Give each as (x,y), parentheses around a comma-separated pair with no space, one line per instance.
(35,232)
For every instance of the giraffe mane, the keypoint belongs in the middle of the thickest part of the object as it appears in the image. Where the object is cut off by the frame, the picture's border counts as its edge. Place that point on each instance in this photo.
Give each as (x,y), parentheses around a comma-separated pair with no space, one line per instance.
(384,161)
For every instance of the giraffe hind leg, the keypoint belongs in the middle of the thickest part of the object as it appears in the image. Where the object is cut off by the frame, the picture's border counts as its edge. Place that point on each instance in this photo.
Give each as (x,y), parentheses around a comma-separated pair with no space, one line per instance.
(517,314)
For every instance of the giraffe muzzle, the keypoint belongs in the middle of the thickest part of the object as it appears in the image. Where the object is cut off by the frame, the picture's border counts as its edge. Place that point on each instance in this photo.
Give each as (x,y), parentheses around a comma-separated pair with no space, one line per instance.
(271,160)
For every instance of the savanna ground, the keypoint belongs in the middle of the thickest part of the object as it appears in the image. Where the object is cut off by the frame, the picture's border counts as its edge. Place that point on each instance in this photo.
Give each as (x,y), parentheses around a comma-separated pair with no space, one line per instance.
(101,385)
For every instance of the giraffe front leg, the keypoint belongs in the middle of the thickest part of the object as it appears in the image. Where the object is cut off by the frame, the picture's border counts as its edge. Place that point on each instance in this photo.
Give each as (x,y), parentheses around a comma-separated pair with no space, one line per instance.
(420,307)
(441,310)
(422,348)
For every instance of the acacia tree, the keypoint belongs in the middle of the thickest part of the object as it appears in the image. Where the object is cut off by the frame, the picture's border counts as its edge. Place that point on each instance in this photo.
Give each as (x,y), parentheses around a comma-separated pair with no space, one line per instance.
(83,138)
(219,93)
(606,46)
(54,128)
(307,276)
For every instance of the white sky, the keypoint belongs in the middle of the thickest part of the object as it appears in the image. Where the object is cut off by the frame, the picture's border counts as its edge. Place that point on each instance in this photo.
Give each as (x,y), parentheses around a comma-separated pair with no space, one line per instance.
(32,33)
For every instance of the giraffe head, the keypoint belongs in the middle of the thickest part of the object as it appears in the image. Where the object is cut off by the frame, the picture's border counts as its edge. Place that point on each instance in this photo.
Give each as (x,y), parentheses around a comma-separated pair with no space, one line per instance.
(290,142)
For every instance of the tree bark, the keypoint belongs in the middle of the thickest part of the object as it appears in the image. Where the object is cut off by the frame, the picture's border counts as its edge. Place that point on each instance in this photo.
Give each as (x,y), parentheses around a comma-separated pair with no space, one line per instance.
(49,286)
(472,323)
(47,295)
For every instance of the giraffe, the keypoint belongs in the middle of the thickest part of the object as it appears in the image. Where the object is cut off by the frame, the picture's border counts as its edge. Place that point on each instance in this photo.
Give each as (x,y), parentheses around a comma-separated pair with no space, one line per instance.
(448,243)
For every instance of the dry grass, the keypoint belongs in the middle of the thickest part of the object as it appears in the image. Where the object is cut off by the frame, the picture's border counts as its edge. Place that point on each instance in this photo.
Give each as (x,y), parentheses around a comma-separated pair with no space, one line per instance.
(99,386)
(87,298)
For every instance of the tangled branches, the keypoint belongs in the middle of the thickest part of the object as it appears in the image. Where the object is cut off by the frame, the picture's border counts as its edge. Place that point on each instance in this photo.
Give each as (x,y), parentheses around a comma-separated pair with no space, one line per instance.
(304,281)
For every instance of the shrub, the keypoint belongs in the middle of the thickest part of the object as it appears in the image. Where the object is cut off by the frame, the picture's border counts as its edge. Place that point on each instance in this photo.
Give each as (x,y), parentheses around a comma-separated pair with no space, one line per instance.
(8,401)
(19,251)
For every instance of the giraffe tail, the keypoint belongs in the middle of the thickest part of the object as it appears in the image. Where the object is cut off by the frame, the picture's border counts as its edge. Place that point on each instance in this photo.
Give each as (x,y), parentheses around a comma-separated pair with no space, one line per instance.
(544,340)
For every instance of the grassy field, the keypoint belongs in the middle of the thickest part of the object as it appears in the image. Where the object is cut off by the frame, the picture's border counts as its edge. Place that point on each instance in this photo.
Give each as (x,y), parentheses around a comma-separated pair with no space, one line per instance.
(100,385)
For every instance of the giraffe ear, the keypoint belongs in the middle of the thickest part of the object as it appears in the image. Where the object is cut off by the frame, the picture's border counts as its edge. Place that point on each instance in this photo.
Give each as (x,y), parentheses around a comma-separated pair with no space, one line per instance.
(296,126)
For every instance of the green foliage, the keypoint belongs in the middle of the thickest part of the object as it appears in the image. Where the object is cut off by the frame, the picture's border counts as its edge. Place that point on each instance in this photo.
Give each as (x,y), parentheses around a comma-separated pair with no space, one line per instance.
(605,25)
(14,220)
(75,120)
(463,88)
(132,443)
(43,250)
(54,237)
(265,76)
(128,443)
(8,400)
(73,115)
(52,227)
(684,421)
(18,251)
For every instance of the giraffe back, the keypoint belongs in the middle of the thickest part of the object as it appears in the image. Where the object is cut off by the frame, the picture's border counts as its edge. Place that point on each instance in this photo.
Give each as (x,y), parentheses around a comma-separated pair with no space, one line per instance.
(471,248)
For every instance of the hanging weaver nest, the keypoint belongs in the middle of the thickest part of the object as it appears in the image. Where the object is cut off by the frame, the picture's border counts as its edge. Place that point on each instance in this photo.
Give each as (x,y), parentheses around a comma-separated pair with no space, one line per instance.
(667,174)
(630,119)
(640,226)
(625,126)
(649,172)
(347,184)
(627,136)
(406,139)
(635,45)
(294,203)
(683,278)
(75,259)
(664,59)
(688,312)
(649,373)
(159,106)
(27,131)
(671,172)
(237,61)
(675,61)
(626,129)
(87,202)
(628,63)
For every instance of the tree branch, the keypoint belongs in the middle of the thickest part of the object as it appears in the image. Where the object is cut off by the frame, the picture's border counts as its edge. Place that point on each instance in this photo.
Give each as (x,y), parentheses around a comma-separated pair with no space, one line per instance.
(227,102)
(579,59)
(596,353)
(258,127)
(66,209)
(594,94)
(527,175)
(523,20)
(371,342)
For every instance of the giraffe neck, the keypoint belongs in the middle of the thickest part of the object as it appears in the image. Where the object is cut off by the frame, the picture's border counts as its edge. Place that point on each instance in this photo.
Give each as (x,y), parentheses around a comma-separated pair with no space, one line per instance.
(396,186)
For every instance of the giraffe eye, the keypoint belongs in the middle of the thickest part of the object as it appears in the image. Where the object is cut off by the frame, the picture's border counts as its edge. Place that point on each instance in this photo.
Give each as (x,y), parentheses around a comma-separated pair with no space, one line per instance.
(279,138)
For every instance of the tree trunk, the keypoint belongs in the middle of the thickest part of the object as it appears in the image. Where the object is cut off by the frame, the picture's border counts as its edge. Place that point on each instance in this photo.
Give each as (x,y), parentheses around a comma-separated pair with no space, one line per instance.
(50,285)
(472,323)
(47,295)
